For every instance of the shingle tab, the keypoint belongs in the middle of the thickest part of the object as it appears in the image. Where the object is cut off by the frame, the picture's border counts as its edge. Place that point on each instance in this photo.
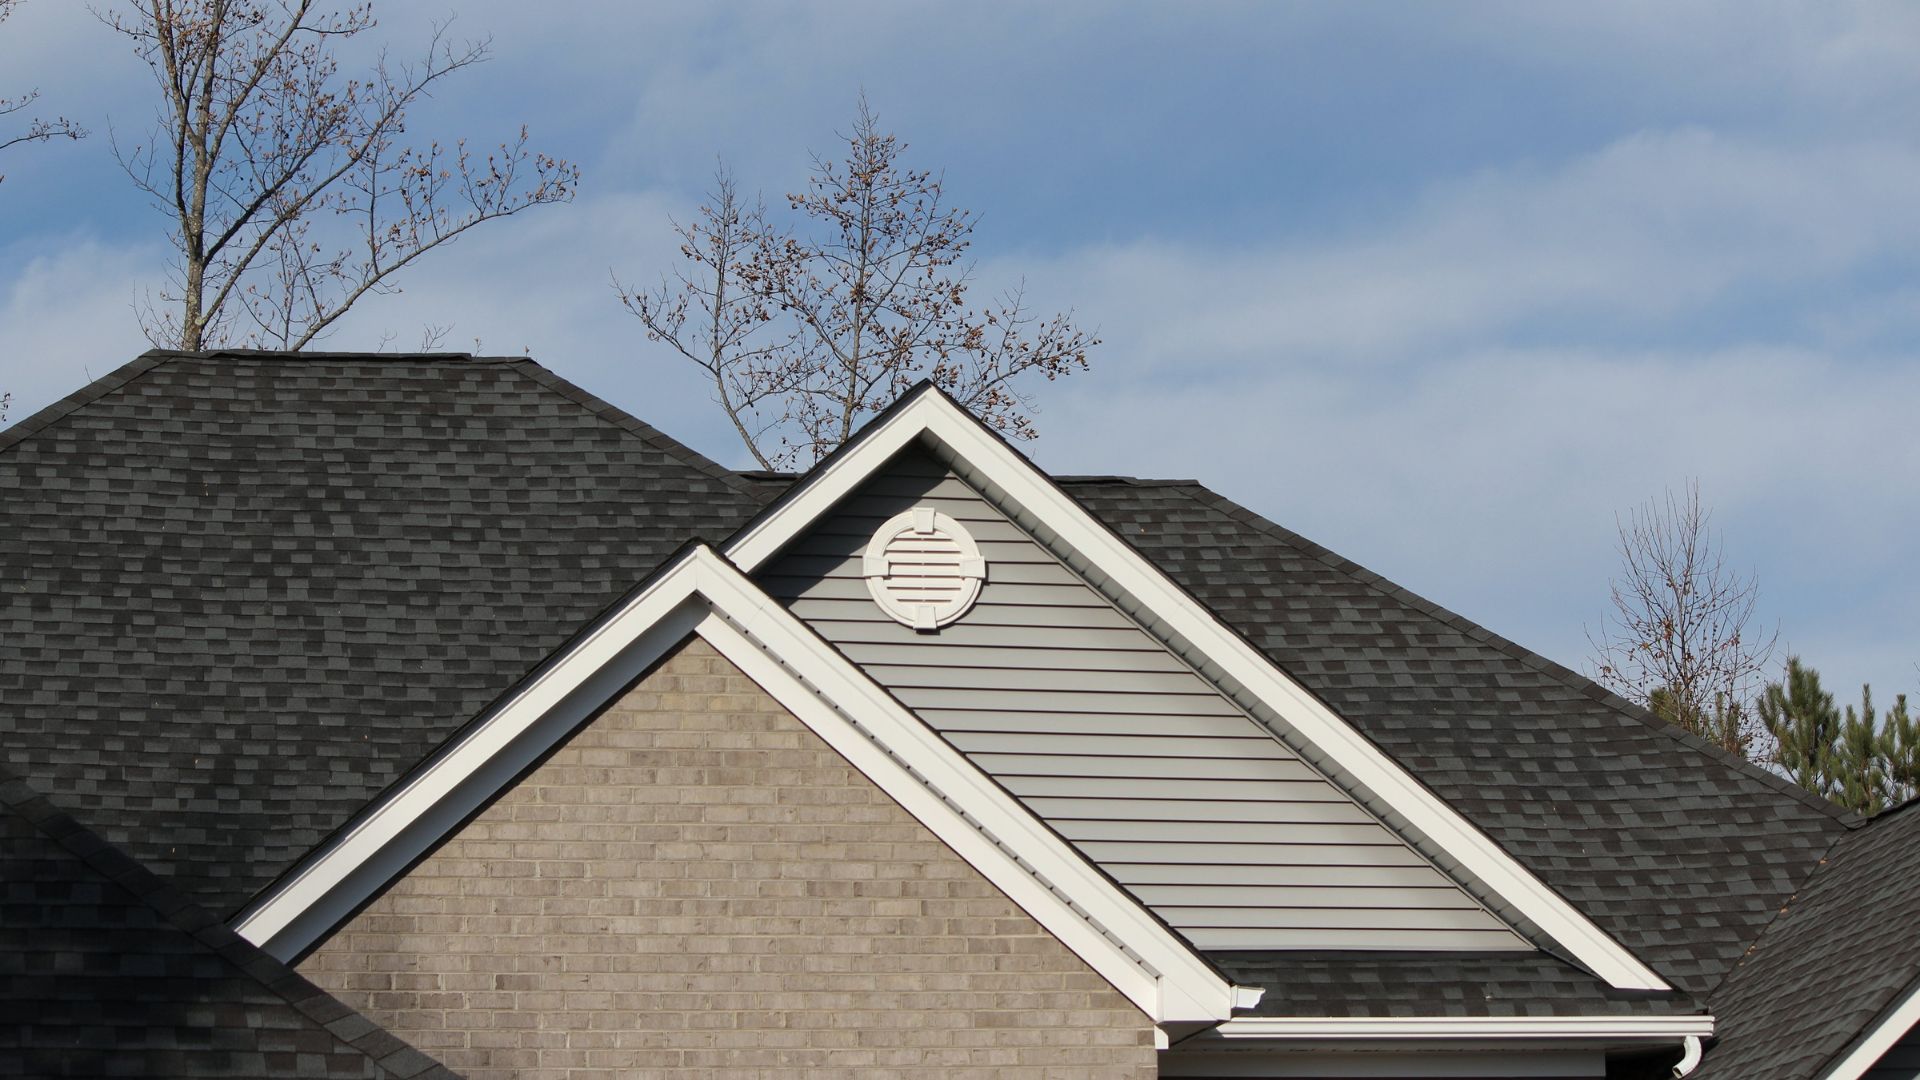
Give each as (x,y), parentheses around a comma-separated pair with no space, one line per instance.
(1842,951)
(245,592)
(107,971)
(1349,984)
(1679,851)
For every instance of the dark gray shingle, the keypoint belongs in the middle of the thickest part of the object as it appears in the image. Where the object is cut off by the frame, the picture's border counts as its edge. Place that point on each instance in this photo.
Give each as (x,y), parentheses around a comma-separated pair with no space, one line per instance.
(107,971)
(245,592)
(1841,952)
(1675,849)
(1433,984)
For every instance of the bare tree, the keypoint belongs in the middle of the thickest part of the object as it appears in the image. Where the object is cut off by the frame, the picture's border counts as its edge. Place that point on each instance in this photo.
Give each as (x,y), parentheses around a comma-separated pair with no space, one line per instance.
(1681,638)
(288,190)
(716,314)
(38,129)
(806,333)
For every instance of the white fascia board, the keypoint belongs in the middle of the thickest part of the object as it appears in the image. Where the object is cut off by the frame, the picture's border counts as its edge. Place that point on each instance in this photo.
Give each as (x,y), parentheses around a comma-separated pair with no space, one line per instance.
(1867,1051)
(932,414)
(1472,1028)
(334,880)
(703,594)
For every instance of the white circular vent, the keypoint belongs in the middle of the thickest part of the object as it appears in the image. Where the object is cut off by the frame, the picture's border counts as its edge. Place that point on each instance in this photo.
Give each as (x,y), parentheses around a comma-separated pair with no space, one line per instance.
(923,569)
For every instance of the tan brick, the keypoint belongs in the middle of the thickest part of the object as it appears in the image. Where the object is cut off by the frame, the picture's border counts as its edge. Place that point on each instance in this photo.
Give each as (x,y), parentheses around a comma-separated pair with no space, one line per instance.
(696,885)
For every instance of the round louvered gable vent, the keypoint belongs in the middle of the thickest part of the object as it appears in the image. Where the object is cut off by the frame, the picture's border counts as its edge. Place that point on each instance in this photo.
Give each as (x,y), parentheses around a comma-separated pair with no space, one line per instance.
(923,569)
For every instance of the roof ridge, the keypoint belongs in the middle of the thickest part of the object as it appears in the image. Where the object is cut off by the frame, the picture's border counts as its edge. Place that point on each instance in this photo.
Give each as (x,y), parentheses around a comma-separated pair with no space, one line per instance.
(16,433)
(1130,481)
(633,425)
(330,354)
(392,1054)
(1566,676)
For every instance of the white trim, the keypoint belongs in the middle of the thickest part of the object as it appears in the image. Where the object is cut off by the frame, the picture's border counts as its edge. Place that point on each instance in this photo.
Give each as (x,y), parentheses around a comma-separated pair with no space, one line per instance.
(1690,1054)
(1874,1044)
(966,573)
(701,593)
(1314,1028)
(932,414)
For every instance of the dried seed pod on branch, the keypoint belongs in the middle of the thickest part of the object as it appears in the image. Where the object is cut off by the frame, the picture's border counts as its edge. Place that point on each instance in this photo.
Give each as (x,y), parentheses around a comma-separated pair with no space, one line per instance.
(805,331)
(289,191)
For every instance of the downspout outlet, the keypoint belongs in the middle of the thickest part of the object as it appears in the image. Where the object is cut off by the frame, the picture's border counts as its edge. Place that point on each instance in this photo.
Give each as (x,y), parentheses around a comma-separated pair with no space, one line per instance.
(1689,1058)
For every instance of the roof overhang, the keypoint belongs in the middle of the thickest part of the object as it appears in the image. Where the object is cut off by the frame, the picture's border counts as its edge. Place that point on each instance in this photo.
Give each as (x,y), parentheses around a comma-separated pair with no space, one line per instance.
(702,593)
(1873,1044)
(1436,1046)
(1318,1029)
(1002,473)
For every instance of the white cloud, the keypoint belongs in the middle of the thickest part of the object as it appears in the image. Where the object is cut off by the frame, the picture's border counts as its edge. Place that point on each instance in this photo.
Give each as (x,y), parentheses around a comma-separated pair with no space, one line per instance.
(1635,235)
(1489,479)
(67,317)
(1461,391)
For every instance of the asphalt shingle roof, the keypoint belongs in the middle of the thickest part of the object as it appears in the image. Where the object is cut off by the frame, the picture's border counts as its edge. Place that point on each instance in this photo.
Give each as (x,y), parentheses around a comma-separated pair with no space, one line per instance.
(1679,851)
(1345,983)
(245,592)
(1841,952)
(107,971)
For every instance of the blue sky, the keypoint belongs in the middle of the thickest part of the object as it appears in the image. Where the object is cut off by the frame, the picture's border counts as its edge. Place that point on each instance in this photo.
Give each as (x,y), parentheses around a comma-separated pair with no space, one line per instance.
(1443,287)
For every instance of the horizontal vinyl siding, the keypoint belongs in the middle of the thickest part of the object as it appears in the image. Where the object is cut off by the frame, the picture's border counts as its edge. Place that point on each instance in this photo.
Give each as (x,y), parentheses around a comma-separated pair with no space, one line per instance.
(1128,754)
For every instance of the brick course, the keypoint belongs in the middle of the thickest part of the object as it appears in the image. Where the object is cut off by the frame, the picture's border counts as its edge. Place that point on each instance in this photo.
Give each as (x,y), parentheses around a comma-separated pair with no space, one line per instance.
(697,885)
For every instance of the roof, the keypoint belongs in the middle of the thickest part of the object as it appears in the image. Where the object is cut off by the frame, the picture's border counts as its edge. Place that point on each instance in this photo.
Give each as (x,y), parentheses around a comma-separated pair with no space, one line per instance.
(1344,983)
(107,971)
(246,591)
(1679,851)
(1827,968)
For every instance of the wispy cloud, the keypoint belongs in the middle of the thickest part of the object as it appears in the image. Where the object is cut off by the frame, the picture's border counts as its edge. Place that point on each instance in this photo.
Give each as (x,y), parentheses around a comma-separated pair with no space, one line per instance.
(68,316)
(1442,288)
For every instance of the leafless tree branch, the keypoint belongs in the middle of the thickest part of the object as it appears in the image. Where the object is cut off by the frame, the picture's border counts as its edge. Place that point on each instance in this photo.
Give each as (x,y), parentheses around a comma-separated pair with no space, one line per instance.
(807,333)
(39,129)
(1681,638)
(289,192)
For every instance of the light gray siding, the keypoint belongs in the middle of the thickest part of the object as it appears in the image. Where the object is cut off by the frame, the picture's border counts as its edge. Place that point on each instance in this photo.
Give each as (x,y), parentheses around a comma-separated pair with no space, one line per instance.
(1122,748)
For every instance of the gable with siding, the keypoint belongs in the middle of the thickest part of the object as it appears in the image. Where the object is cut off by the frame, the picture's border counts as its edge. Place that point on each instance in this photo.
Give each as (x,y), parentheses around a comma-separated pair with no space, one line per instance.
(1190,804)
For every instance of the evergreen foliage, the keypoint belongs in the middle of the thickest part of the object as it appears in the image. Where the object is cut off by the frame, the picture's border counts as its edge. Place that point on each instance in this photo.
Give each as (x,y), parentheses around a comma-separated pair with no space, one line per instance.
(1855,758)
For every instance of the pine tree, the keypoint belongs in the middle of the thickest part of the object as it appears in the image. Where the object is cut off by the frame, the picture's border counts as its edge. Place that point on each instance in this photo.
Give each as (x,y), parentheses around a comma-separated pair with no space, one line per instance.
(1854,757)
(1804,723)
(1858,771)
(1900,747)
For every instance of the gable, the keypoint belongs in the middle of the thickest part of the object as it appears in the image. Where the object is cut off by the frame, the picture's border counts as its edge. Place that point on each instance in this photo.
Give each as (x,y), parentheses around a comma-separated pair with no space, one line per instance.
(1223,655)
(1147,769)
(697,881)
(700,592)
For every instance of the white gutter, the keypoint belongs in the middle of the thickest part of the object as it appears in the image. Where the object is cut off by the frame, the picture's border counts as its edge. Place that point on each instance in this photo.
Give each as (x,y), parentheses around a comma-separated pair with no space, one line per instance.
(1651,1028)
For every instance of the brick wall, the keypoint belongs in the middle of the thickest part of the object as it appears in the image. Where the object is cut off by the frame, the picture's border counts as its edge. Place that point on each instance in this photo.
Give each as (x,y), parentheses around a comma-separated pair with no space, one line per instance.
(698,885)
